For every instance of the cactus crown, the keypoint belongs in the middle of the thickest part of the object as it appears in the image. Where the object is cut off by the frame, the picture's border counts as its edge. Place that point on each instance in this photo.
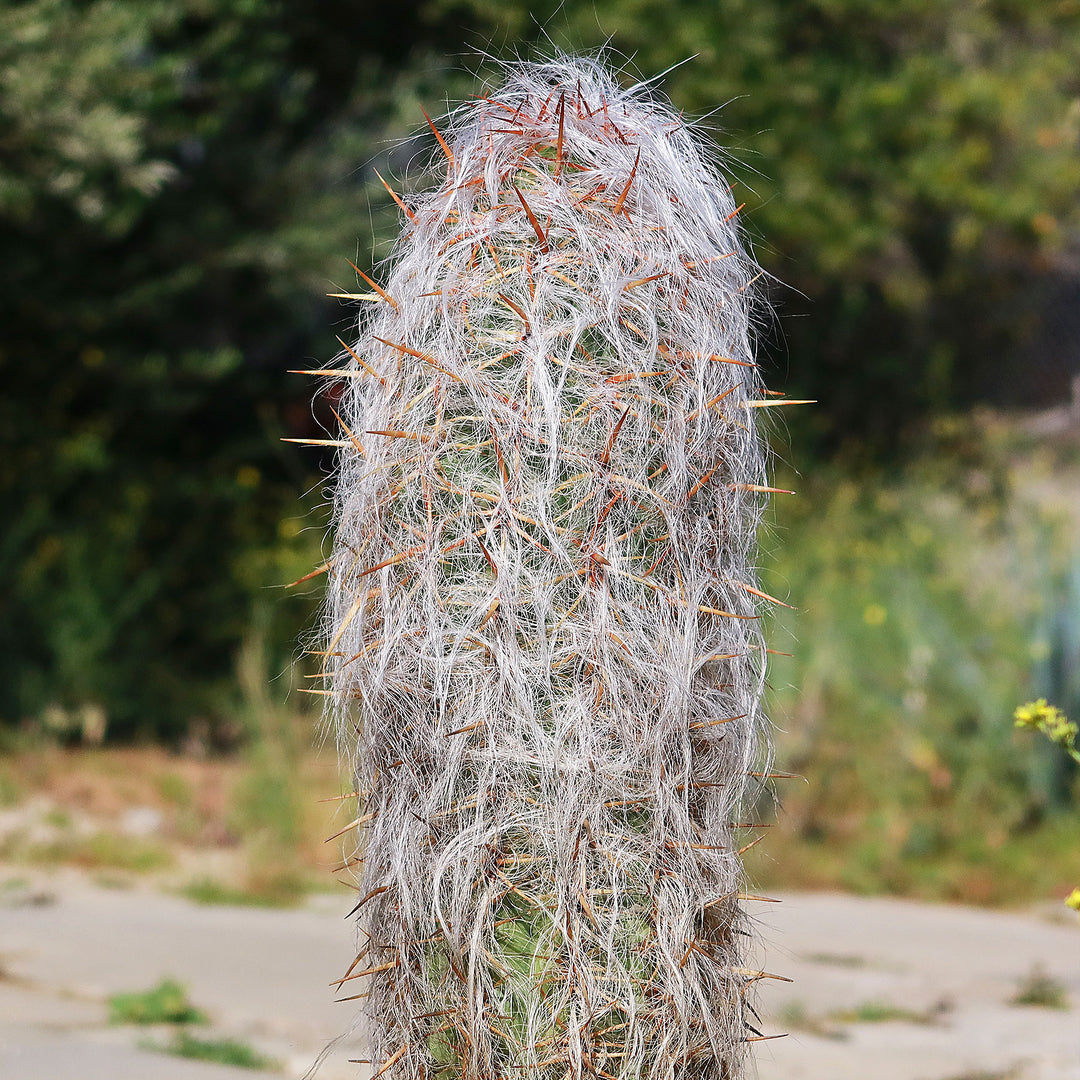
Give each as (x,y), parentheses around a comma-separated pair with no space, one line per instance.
(542,635)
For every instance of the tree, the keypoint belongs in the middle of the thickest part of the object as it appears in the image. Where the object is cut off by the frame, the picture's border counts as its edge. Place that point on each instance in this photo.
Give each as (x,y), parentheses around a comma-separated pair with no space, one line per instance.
(913,165)
(179,188)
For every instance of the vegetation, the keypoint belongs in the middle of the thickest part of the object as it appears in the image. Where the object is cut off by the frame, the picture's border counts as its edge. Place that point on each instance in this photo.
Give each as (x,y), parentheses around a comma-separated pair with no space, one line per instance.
(879,1012)
(1041,991)
(1052,722)
(911,166)
(219,1051)
(266,811)
(796,1017)
(102,851)
(166,1003)
(216,838)
(925,600)
(181,184)
(178,191)
(1061,732)
(266,891)
(915,782)
(989,1074)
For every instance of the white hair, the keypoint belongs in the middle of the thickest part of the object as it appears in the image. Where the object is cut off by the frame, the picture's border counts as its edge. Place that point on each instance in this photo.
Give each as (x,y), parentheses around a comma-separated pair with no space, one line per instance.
(542,637)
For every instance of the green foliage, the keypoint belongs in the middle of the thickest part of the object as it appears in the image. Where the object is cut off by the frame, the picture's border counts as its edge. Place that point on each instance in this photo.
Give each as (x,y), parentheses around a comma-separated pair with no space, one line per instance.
(920,598)
(178,189)
(282,892)
(100,851)
(219,1051)
(911,162)
(879,1012)
(166,1003)
(180,184)
(888,581)
(1040,990)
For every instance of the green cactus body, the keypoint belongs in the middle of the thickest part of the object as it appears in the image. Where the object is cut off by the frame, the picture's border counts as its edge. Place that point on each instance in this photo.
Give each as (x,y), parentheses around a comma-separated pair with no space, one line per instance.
(543,647)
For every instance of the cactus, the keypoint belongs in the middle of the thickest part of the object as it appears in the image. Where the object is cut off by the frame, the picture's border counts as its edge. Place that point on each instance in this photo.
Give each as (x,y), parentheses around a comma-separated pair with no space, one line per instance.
(542,645)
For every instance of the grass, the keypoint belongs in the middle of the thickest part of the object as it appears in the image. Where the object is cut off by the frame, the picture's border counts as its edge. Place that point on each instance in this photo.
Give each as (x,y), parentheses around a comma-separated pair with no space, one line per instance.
(1040,990)
(794,1017)
(243,828)
(843,960)
(57,818)
(268,806)
(166,1003)
(219,1051)
(283,891)
(880,1012)
(989,1074)
(10,789)
(866,856)
(927,604)
(102,851)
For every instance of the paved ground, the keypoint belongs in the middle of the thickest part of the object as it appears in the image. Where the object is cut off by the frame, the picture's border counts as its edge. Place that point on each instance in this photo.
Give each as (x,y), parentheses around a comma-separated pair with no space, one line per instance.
(66,945)
(954,969)
(261,975)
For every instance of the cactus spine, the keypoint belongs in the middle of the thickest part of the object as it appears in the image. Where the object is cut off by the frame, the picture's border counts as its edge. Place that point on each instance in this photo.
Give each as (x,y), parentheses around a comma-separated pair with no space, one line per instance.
(543,647)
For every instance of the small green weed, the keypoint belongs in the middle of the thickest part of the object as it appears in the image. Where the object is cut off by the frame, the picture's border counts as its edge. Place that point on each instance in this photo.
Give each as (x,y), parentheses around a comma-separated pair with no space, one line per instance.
(880,1012)
(987,1074)
(105,851)
(10,790)
(281,890)
(174,789)
(166,1003)
(794,1017)
(219,1051)
(836,960)
(121,853)
(1040,990)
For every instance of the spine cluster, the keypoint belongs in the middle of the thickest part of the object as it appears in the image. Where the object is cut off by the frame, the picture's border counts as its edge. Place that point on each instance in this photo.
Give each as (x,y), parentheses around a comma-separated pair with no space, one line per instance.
(543,642)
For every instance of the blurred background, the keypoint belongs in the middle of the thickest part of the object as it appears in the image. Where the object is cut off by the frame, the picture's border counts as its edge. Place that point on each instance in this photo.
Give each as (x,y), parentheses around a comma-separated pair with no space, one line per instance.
(182,183)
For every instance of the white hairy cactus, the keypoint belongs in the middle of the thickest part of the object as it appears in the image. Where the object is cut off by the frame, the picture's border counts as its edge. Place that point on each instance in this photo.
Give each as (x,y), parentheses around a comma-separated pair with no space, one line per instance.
(543,644)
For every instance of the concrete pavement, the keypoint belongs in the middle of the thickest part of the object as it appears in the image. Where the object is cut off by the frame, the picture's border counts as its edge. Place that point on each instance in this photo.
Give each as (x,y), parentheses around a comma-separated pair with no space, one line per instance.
(262,975)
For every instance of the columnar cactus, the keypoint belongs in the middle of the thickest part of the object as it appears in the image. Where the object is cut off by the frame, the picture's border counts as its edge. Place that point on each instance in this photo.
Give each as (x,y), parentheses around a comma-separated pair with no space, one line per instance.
(543,642)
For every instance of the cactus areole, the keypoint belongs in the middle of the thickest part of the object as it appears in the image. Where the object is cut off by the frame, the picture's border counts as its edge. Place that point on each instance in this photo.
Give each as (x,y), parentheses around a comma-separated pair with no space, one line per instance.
(543,647)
